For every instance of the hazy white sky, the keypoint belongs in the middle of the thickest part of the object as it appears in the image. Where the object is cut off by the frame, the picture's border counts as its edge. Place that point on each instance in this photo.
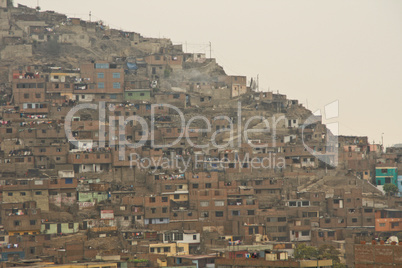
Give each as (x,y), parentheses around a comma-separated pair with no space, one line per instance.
(314,51)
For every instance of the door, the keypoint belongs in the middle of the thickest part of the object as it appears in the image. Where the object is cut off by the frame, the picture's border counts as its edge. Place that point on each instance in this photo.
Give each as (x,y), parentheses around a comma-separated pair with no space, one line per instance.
(59,228)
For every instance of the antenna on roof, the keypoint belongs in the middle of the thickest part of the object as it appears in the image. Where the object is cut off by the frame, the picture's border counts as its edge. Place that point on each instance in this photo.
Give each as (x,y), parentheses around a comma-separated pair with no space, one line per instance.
(90,16)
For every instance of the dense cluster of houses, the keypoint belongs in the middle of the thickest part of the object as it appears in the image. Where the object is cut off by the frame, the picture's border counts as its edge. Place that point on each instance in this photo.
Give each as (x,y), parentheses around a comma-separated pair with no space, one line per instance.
(242,186)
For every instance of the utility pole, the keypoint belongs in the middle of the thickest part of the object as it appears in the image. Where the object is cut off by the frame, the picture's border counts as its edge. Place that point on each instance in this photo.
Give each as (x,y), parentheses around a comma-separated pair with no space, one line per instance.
(258,83)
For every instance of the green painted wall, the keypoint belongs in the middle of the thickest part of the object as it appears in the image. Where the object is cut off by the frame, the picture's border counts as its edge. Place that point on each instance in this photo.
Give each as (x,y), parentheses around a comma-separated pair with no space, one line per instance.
(137,95)
(92,196)
(65,229)
(381,173)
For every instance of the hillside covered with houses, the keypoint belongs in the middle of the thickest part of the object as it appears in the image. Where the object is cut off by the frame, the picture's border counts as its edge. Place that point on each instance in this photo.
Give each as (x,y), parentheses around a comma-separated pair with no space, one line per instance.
(119,150)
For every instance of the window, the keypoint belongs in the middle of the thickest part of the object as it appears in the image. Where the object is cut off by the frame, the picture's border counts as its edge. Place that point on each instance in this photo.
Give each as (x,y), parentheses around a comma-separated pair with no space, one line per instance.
(70,225)
(116,75)
(116,85)
(235,213)
(394,224)
(101,85)
(37,95)
(305,233)
(176,196)
(164,210)
(32,222)
(382,224)
(250,212)
(168,187)
(331,234)
(208,185)
(113,96)
(204,203)
(281,219)
(321,234)
(354,219)
(204,214)
(368,210)
(152,200)
(153,210)
(101,75)
(102,65)
(219,203)
(10,194)
(17,223)
(142,94)
(164,199)
(218,213)
(38,193)
(32,250)
(23,193)
(195,185)
(26,96)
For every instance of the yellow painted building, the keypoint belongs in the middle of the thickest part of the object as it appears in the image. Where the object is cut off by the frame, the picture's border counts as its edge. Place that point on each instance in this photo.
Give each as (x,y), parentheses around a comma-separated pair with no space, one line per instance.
(169,249)
(84,265)
(24,232)
(177,196)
